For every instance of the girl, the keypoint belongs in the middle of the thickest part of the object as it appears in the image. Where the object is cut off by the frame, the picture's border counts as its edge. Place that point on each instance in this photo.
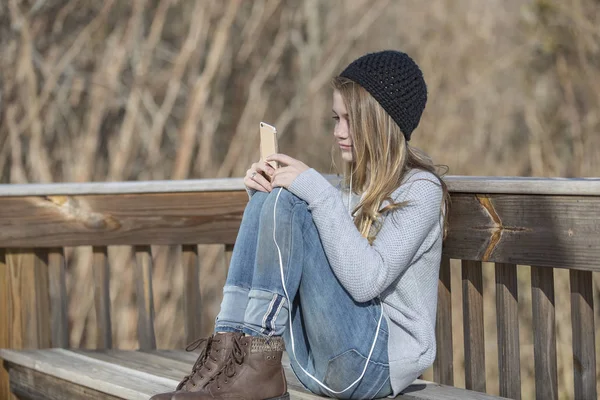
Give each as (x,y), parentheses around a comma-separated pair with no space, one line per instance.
(345,278)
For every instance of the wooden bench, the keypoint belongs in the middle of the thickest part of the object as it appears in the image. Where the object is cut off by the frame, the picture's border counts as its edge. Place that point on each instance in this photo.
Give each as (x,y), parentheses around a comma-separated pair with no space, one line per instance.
(541,223)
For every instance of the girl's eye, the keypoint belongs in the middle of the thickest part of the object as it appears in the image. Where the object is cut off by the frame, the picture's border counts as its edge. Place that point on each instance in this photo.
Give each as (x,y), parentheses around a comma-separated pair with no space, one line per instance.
(335,117)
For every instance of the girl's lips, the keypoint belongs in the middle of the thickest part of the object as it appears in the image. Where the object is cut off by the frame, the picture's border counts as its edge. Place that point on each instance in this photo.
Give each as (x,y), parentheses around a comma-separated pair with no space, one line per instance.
(345,147)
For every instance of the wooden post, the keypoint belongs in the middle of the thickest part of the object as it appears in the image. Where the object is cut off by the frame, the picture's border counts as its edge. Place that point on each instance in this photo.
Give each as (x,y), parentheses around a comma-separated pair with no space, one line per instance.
(443,368)
(58,297)
(507,320)
(5,321)
(191,293)
(473,325)
(145,301)
(544,333)
(24,302)
(584,345)
(101,274)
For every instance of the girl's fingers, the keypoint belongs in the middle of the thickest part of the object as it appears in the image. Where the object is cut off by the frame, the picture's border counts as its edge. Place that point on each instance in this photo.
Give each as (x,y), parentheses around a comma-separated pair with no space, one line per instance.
(255,180)
(259,179)
(263,167)
(282,159)
(251,184)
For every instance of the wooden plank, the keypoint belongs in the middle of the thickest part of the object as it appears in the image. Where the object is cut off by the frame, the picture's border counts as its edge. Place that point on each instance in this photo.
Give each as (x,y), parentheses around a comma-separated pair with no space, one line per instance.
(145,300)
(42,298)
(29,298)
(584,345)
(472,283)
(546,231)
(150,362)
(133,219)
(544,333)
(101,271)
(58,297)
(117,374)
(228,251)
(97,374)
(456,183)
(443,366)
(5,321)
(507,319)
(192,306)
(84,371)
(424,390)
(29,384)
(522,229)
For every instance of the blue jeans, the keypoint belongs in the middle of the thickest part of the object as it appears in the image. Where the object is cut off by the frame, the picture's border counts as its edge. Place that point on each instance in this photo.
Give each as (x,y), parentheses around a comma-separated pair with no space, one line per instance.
(333,334)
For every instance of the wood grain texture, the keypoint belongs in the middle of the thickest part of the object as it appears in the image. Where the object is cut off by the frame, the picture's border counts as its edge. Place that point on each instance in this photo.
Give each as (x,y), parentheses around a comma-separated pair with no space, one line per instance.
(138,375)
(132,219)
(472,285)
(58,297)
(192,305)
(28,384)
(584,344)
(101,271)
(559,231)
(507,320)
(29,302)
(228,251)
(93,374)
(554,231)
(443,366)
(5,321)
(544,333)
(145,298)
(456,183)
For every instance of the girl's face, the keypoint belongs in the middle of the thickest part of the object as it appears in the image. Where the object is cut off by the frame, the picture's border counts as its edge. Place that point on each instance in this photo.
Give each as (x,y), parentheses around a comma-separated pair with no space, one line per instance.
(342,127)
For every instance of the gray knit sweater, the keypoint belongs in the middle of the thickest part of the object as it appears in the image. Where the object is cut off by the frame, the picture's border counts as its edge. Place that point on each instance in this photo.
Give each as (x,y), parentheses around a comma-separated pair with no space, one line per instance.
(401,266)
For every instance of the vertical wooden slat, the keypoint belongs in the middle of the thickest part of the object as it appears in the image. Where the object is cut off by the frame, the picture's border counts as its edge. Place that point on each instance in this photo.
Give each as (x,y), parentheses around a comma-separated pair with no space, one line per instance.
(30,300)
(145,301)
(58,298)
(472,285)
(228,254)
(443,367)
(544,333)
(507,319)
(42,298)
(102,296)
(191,292)
(584,344)
(5,321)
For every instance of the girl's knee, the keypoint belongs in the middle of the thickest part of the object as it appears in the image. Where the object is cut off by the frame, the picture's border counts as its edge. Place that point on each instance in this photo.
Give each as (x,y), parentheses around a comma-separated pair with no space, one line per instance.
(284,201)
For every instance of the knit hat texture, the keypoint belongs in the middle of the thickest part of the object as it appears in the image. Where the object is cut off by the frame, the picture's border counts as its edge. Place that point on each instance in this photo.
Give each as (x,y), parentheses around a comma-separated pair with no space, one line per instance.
(396,82)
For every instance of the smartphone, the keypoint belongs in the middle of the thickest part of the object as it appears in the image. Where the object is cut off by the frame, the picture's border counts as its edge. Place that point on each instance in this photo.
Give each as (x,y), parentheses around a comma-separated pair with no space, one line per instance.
(268,142)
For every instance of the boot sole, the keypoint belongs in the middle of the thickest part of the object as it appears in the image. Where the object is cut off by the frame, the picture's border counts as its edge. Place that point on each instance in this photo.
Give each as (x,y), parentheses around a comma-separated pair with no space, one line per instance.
(286,396)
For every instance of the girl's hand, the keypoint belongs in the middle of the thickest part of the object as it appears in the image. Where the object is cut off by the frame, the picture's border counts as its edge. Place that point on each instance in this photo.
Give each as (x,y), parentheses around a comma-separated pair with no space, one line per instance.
(255,177)
(289,169)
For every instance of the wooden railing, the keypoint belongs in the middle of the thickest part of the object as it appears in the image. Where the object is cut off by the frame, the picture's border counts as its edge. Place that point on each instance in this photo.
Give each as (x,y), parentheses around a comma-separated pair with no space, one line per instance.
(542,223)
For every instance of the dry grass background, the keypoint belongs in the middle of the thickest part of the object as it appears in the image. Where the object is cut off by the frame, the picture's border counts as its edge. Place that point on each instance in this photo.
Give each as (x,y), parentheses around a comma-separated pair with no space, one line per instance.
(164,89)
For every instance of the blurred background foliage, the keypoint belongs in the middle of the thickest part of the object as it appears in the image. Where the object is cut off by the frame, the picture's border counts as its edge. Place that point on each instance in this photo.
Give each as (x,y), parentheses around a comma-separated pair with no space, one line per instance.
(174,89)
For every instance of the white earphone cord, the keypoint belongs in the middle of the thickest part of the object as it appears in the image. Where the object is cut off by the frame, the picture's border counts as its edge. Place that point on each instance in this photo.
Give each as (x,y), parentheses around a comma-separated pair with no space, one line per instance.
(290,315)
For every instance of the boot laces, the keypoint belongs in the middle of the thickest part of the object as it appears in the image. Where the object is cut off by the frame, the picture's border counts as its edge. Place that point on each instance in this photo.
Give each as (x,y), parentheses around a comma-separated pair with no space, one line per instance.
(235,358)
(200,360)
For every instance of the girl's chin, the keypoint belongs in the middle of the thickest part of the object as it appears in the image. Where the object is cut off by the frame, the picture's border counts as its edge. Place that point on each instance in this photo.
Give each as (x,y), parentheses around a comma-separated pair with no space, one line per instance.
(347,156)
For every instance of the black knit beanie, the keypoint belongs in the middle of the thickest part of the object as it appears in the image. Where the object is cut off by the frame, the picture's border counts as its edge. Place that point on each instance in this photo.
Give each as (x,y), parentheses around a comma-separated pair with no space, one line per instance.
(396,82)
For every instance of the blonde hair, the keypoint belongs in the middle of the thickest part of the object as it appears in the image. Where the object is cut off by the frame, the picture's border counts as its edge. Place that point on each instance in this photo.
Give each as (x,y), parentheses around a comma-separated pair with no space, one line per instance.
(382,157)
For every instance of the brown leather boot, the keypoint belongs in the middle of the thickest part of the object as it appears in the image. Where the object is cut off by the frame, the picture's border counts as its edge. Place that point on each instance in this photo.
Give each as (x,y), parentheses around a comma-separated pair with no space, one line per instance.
(253,371)
(217,348)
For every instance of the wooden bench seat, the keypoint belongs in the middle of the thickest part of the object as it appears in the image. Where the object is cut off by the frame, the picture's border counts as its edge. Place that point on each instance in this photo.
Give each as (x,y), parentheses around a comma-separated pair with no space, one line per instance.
(137,375)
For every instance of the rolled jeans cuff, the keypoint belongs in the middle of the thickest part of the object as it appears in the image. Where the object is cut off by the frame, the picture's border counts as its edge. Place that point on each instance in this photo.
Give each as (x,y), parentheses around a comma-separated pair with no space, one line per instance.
(233,307)
(266,313)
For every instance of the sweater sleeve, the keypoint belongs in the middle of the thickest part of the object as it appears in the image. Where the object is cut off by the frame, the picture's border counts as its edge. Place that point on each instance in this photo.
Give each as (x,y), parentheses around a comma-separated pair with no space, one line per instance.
(366,270)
